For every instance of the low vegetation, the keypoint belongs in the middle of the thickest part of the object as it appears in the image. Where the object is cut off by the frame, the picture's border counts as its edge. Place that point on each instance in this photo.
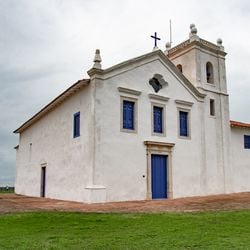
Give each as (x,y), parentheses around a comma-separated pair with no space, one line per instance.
(6,191)
(67,230)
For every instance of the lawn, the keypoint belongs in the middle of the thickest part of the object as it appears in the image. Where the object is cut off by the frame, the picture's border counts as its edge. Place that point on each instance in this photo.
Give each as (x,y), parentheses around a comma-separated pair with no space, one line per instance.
(4,191)
(68,230)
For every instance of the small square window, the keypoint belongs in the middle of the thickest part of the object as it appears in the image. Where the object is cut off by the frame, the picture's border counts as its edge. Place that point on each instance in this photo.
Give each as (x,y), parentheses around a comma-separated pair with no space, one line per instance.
(247,141)
(158,119)
(183,124)
(76,125)
(212,107)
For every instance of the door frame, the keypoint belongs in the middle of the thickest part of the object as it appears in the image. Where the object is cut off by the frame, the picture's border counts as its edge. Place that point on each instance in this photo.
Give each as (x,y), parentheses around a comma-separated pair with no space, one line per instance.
(159,148)
(43,180)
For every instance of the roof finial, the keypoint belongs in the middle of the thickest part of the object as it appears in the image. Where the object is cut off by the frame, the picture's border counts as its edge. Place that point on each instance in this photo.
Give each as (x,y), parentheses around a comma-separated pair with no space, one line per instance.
(155,41)
(193,32)
(219,43)
(168,47)
(97,60)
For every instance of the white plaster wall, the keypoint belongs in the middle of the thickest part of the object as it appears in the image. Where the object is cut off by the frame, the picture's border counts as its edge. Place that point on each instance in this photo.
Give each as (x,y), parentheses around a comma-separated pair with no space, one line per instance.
(217,128)
(200,166)
(194,62)
(202,59)
(215,159)
(240,160)
(121,157)
(215,135)
(189,64)
(68,160)
(105,164)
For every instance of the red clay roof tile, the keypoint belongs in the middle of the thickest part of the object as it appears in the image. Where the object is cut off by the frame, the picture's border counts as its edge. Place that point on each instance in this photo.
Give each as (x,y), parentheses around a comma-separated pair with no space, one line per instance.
(239,124)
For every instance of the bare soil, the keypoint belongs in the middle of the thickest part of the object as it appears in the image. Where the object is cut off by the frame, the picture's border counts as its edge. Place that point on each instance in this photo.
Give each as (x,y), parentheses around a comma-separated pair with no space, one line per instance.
(10,203)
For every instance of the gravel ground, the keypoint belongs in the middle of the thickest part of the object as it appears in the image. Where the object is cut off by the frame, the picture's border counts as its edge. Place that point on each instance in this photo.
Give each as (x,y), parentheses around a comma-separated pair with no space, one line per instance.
(10,203)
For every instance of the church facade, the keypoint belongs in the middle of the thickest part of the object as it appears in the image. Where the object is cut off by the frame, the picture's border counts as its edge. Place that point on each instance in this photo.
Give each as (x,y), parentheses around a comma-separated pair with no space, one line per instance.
(153,127)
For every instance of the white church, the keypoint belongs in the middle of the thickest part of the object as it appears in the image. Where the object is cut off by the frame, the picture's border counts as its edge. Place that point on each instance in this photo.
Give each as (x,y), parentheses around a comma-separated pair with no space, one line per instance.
(153,127)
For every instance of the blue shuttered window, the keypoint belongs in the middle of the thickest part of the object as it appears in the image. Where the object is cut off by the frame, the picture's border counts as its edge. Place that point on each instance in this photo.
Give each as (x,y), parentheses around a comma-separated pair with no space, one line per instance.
(183,123)
(76,124)
(128,115)
(158,121)
(247,141)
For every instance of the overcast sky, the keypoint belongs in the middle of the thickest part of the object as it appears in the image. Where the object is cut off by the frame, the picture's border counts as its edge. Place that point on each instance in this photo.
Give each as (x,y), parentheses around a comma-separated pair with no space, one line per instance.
(47,45)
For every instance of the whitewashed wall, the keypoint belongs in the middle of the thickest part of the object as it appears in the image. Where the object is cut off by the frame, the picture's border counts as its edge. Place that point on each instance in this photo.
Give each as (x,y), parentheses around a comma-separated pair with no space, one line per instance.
(105,164)
(68,160)
(121,157)
(216,172)
(240,160)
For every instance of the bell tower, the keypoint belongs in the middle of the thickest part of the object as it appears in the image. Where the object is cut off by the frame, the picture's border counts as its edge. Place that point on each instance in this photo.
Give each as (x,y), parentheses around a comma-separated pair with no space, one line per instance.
(203,64)
(200,61)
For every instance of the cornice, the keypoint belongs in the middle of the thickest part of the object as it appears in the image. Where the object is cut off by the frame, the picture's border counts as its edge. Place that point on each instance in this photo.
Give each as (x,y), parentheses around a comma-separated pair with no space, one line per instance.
(129,91)
(57,101)
(201,43)
(158,97)
(185,103)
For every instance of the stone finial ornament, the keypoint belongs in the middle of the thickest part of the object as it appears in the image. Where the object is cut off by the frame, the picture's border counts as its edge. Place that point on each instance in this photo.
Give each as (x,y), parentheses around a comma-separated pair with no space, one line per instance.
(193,32)
(193,29)
(155,48)
(168,47)
(219,43)
(97,60)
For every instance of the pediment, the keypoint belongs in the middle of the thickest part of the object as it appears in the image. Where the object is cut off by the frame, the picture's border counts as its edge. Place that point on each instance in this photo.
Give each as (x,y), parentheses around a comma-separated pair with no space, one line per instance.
(157,81)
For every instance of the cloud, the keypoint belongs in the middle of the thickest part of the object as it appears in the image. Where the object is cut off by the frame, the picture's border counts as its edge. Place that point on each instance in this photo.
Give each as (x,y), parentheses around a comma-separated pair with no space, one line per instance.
(45,46)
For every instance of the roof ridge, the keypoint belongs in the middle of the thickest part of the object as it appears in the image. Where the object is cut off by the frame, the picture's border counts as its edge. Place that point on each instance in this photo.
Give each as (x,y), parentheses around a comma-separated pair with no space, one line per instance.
(239,124)
(60,98)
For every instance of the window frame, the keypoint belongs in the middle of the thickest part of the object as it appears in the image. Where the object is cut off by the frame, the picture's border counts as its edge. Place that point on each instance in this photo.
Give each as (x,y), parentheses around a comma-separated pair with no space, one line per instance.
(209,66)
(135,101)
(246,145)
(75,134)
(179,67)
(163,107)
(188,111)
(212,112)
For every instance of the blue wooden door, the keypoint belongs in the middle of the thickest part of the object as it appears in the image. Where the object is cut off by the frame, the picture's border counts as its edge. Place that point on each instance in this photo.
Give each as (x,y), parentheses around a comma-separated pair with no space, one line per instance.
(159,176)
(43,182)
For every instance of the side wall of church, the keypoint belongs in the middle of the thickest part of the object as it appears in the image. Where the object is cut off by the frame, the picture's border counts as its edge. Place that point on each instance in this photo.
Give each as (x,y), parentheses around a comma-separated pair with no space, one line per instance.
(240,160)
(49,142)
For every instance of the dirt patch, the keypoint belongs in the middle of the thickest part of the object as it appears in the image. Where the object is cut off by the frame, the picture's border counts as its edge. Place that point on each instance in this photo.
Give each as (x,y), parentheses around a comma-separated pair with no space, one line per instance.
(17,203)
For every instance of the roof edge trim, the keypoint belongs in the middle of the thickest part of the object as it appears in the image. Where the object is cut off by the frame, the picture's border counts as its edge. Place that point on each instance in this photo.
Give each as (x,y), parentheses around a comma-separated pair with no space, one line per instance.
(239,124)
(59,99)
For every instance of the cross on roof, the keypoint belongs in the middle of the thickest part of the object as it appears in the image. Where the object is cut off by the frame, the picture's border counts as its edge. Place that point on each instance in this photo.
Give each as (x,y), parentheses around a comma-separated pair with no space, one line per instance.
(156,38)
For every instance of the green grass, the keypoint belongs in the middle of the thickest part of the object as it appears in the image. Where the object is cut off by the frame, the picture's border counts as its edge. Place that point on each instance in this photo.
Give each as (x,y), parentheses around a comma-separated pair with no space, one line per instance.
(3,190)
(66,230)
(6,191)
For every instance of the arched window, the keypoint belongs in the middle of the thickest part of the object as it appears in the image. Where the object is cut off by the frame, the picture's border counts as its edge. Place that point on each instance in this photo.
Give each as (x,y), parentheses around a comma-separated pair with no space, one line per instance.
(179,67)
(209,72)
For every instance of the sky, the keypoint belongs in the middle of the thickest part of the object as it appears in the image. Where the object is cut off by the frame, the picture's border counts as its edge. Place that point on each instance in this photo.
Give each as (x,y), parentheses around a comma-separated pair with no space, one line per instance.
(46,46)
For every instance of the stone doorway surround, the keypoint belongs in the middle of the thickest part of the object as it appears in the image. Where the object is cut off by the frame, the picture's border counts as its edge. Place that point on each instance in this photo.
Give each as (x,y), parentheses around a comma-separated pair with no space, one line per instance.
(160,148)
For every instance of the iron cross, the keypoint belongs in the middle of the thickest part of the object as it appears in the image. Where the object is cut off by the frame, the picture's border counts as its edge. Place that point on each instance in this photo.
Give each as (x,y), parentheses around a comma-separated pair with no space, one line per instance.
(156,38)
